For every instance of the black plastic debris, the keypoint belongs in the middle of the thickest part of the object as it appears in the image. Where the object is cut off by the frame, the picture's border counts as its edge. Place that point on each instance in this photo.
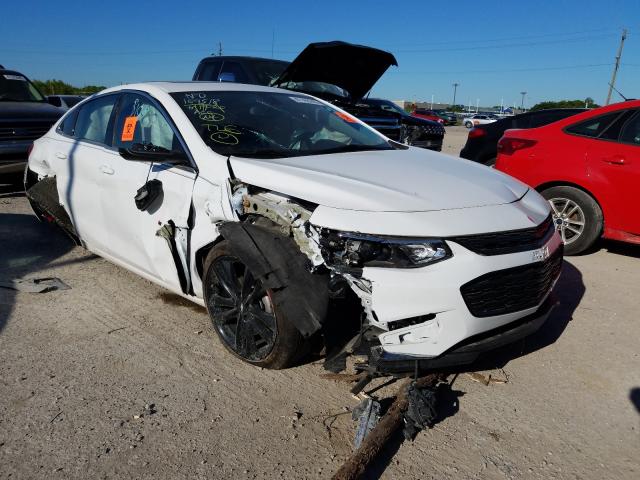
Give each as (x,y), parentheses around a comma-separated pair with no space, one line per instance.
(367,413)
(35,285)
(421,411)
(147,194)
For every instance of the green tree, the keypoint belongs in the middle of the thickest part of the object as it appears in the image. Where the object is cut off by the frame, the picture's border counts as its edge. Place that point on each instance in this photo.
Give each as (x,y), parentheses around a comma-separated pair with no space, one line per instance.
(58,87)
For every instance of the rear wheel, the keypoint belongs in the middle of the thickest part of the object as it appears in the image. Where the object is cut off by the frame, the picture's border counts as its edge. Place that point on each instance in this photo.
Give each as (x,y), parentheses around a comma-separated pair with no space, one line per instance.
(577,217)
(468,124)
(245,314)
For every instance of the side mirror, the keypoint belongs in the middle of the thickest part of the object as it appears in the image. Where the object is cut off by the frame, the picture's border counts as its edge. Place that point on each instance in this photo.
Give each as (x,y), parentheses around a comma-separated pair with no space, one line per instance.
(139,152)
(226,77)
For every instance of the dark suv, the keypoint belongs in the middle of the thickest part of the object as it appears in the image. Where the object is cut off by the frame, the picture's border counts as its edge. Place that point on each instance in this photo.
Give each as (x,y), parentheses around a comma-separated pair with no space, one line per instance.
(482,142)
(338,72)
(25,115)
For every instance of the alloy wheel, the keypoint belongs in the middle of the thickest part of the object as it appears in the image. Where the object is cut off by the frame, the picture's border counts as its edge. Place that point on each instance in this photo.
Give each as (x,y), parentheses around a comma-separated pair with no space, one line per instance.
(241,309)
(568,218)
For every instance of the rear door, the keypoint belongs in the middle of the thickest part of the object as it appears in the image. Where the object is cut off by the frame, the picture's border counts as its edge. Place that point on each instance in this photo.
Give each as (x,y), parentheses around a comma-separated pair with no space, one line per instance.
(155,240)
(80,155)
(614,160)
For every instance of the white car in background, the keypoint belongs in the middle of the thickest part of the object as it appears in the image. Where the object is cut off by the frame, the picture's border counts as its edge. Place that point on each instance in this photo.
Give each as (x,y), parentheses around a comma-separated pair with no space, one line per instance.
(264,205)
(479,119)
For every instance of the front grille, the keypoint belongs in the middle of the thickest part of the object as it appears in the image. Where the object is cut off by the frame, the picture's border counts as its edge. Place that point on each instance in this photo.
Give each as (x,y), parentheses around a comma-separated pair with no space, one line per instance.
(513,289)
(30,132)
(514,241)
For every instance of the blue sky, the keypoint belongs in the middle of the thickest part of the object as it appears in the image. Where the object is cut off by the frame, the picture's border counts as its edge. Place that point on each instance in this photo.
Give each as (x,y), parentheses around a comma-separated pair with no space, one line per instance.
(494,49)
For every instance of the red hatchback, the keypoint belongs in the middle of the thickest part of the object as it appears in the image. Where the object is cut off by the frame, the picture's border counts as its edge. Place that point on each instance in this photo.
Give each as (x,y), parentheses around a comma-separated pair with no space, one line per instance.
(588,167)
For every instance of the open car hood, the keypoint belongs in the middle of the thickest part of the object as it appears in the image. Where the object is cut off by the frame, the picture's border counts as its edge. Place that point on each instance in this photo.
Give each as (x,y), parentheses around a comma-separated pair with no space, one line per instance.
(354,68)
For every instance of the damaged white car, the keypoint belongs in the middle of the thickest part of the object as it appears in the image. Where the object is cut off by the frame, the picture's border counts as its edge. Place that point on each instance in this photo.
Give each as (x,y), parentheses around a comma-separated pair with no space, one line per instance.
(266,206)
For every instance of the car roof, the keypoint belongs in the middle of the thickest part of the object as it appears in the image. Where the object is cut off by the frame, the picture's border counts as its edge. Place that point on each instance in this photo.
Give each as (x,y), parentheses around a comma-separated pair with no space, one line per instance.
(175,87)
(212,58)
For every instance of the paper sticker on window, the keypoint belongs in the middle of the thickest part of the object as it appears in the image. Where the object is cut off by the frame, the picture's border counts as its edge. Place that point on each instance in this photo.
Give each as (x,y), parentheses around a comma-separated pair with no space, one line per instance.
(15,77)
(305,100)
(346,117)
(129,129)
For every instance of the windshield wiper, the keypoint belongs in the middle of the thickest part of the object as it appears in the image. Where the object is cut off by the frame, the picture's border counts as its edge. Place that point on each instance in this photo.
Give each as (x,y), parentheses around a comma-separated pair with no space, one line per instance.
(351,148)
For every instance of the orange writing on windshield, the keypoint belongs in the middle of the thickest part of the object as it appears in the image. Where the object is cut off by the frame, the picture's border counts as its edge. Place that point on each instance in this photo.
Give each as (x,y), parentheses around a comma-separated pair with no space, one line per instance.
(129,128)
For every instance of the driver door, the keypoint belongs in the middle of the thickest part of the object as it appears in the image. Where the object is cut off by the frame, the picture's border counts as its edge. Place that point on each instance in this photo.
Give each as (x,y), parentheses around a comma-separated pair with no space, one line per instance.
(138,235)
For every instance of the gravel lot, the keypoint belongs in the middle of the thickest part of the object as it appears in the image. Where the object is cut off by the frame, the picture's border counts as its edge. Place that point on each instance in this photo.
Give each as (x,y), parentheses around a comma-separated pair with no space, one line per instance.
(117,378)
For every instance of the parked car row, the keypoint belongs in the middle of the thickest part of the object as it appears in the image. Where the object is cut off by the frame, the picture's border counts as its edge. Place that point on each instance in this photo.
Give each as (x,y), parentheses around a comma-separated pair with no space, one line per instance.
(338,72)
(265,204)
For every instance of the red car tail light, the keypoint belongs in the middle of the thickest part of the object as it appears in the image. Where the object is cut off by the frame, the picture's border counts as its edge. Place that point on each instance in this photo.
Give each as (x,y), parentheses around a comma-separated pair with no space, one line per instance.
(476,133)
(510,145)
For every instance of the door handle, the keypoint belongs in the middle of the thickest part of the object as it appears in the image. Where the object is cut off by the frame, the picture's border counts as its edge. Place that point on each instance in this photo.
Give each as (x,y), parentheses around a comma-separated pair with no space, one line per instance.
(107,170)
(61,155)
(616,160)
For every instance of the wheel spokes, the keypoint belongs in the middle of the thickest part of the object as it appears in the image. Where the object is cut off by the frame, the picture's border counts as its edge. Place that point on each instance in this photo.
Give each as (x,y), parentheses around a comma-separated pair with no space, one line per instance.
(227,278)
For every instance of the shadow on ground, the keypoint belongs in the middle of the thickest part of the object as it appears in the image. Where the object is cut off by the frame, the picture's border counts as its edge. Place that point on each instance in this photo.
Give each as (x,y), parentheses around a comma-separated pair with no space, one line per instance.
(26,247)
(634,396)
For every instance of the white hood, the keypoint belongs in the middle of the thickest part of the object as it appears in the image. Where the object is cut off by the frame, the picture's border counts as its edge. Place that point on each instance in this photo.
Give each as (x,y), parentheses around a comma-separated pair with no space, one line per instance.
(413,180)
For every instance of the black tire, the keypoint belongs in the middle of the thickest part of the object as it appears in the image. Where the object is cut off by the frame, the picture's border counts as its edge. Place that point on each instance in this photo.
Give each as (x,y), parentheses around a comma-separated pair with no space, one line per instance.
(468,124)
(564,201)
(276,352)
(491,162)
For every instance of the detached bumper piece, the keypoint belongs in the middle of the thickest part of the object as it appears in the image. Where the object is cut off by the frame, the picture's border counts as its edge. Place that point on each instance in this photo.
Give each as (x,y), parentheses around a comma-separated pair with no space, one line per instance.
(381,363)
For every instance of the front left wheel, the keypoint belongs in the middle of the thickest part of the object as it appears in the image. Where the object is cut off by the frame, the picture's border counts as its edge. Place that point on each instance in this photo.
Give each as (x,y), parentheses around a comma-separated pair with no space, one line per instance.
(245,314)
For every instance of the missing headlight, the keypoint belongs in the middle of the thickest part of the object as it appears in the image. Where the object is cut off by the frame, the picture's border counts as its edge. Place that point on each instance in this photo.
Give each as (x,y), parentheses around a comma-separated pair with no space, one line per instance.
(355,250)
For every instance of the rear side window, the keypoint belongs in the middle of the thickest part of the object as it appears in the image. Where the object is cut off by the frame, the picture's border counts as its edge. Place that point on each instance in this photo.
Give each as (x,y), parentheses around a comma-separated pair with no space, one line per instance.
(594,126)
(94,120)
(68,124)
(55,101)
(631,131)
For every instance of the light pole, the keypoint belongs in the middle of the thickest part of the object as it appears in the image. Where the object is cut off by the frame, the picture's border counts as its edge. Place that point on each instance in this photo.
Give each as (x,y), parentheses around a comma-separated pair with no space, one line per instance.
(522,103)
(455,89)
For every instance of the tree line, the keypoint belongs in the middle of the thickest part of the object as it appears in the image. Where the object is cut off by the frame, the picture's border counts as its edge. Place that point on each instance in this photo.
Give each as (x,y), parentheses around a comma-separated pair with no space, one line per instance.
(58,87)
(586,103)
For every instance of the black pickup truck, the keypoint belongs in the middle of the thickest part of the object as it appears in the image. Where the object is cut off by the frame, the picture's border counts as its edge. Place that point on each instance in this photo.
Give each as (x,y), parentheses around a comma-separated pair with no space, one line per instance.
(338,72)
(25,115)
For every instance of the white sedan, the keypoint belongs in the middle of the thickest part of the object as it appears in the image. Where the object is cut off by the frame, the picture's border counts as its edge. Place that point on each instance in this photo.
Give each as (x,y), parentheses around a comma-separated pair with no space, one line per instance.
(266,206)
(479,119)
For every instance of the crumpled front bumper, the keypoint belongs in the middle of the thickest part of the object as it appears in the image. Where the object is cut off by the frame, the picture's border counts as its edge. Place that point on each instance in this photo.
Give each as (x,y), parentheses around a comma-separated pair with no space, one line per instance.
(423,313)
(468,350)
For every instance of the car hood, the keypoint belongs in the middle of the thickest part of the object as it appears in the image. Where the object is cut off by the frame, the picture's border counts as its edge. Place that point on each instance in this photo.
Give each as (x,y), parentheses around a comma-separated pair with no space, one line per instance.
(36,111)
(413,180)
(354,68)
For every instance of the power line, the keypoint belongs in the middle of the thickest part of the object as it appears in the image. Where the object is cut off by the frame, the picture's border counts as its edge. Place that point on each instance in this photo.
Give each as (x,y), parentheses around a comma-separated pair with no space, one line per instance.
(497,70)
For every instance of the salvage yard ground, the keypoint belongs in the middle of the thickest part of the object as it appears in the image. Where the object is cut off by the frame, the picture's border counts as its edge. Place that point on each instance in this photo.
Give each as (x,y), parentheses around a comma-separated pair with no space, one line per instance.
(117,378)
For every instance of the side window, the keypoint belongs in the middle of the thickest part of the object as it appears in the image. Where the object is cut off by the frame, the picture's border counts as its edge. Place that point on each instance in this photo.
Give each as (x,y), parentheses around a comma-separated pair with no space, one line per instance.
(55,101)
(631,131)
(209,71)
(140,121)
(234,70)
(594,126)
(93,120)
(68,124)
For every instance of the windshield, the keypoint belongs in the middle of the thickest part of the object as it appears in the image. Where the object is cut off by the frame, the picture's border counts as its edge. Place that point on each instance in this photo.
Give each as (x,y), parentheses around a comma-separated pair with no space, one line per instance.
(270,125)
(16,88)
